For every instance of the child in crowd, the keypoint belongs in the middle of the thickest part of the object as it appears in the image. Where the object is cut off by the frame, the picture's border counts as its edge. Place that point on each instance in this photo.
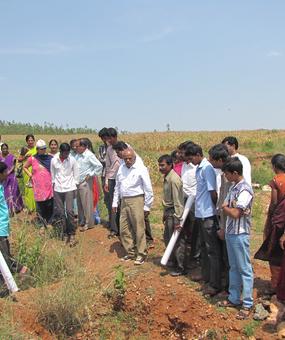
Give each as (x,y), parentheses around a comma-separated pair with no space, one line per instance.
(237,207)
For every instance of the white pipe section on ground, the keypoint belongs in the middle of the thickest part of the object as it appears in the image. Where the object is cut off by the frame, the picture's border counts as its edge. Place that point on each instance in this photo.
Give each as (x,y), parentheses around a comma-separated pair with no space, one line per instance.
(174,237)
(8,278)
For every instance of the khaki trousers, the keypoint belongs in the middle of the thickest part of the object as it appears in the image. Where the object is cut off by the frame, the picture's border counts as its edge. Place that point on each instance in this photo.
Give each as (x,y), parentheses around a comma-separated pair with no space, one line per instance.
(85,203)
(132,225)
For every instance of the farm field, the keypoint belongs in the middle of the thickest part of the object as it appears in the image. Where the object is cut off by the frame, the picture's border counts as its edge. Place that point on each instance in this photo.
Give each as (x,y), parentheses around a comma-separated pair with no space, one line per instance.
(88,293)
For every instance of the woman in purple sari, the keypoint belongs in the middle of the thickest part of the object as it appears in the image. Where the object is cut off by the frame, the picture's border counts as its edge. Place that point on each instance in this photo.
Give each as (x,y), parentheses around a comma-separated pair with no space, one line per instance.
(11,187)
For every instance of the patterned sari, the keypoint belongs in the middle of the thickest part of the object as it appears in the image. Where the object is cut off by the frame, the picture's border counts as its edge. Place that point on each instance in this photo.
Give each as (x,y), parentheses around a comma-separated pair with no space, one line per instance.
(29,199)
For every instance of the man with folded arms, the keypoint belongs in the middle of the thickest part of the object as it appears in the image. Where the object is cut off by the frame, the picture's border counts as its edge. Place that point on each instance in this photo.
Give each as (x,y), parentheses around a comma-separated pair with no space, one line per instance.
(133,188)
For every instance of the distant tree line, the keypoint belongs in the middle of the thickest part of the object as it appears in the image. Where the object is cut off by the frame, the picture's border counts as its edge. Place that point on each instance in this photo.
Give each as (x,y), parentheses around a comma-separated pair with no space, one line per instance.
(16,128)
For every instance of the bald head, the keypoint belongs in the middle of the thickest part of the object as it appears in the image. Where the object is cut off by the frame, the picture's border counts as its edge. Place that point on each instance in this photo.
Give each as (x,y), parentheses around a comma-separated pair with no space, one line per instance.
(129,157)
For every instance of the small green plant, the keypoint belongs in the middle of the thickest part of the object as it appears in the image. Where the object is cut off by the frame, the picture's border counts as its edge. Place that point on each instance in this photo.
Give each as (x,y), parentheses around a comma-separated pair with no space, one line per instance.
(249,328)
(120,279)
(212,334)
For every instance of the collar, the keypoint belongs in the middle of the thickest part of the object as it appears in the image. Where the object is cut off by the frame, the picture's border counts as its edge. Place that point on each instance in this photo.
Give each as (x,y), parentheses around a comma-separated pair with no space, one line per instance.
(169,175)
(203,162)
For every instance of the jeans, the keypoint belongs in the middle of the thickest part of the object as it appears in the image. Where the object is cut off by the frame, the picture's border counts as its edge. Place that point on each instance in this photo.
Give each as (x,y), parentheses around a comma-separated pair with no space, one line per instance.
(64,210)
(241,274)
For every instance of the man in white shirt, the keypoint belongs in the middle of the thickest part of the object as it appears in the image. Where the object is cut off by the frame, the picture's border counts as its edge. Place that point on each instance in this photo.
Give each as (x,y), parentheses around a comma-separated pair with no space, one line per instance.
(89,166)
(133,188)
(65,178)
(232,145)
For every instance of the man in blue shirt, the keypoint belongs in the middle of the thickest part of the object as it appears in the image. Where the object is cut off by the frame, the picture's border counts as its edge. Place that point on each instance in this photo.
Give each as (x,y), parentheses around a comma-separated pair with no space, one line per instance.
(13,265)
(205,212)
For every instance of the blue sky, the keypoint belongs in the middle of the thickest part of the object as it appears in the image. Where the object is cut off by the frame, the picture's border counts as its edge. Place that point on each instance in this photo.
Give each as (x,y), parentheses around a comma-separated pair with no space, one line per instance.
(138,65)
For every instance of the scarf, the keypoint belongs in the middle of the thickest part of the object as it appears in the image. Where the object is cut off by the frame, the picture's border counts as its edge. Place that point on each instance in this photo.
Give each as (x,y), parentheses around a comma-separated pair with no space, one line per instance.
(44,160)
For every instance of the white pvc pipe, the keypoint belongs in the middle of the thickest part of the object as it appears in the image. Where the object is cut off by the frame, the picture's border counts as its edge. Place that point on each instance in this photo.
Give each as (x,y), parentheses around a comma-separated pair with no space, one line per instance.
(8,278)
(174,237)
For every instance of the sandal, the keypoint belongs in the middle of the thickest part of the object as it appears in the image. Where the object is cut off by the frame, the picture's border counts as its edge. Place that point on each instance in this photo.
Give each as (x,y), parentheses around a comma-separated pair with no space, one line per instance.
(227,304)
(243,313)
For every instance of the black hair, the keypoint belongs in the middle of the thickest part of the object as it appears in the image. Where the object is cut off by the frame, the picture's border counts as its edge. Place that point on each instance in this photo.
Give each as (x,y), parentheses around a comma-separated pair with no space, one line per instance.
(72,142)
(112,132)
(174,155)
(83,142)
(3,167)
(88,144)
(231,141)
(184,145)
(278,161)
(219,151)
(30,136)
(64,147)
(103,132)
(167,158)
(193,150)
(120,146)
(4,144)
(53,140)
(233,164)
(23,150)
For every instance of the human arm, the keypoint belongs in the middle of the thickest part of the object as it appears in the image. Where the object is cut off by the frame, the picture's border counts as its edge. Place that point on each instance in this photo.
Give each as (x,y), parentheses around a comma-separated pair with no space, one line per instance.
(241,205)
(178,200)
(96,166)
(116,196)
(27,166)
(147,188)
(75,170)
(211,183)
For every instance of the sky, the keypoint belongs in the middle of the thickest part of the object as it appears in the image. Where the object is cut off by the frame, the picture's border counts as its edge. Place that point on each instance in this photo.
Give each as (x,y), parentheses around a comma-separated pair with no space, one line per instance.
(142,64)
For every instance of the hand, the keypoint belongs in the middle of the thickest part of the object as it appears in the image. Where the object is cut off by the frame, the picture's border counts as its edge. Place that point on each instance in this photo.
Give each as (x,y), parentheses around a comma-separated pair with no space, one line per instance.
(282,240)
(106,188)
(114,210)
(87,177)
(177,227)
(224,205)
(221,234)
(146,213)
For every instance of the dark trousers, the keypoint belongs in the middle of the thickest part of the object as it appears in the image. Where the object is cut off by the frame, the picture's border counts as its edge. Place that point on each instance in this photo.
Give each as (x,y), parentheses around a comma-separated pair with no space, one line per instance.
(114,218)
(180,253)
(106,194)
(63,206)
(211,252)
(148,232)
(193,227)
(45,209)
(14,266)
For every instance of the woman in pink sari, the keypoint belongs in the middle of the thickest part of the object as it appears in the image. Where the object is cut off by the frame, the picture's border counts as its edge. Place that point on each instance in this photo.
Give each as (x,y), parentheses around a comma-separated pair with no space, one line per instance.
(11,187)
(41,180)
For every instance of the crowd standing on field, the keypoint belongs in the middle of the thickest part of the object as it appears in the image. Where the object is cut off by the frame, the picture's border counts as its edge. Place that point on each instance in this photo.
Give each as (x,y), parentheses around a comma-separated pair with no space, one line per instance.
(62,186)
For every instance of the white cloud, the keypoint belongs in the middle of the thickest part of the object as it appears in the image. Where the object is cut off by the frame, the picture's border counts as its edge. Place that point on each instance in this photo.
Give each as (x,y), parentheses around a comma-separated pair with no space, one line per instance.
(41,49)
(274,53)
(158,36)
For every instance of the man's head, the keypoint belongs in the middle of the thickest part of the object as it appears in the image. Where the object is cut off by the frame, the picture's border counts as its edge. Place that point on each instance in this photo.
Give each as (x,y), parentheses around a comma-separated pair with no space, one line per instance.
(30,140)
(129,157)
(4,149)
(64,150)
(233,169)
(41,147)
(82,146)
(231,143)
(112,136)
(193,153)
(3,172)
(218,155)
(278,163)
(119,147)
(165,164)
(104,134)
(181,149)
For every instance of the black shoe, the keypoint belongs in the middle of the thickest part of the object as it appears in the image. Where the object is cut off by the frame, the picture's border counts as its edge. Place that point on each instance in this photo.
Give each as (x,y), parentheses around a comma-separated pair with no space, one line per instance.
(177,273)
(128,258)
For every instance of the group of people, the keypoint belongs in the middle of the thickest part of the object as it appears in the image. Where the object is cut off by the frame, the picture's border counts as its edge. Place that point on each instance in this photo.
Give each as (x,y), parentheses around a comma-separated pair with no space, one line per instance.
(215,235)
(217,228)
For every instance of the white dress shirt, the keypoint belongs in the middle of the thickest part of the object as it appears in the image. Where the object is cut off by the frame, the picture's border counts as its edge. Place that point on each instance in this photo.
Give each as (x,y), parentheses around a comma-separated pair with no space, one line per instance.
(188,176)
(64,174)
(132,182)
(246,167)
(88,164)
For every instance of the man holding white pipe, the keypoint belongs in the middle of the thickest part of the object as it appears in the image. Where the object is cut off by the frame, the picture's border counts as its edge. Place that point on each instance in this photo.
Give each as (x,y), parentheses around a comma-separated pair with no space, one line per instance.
(12,264)
(173,203)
